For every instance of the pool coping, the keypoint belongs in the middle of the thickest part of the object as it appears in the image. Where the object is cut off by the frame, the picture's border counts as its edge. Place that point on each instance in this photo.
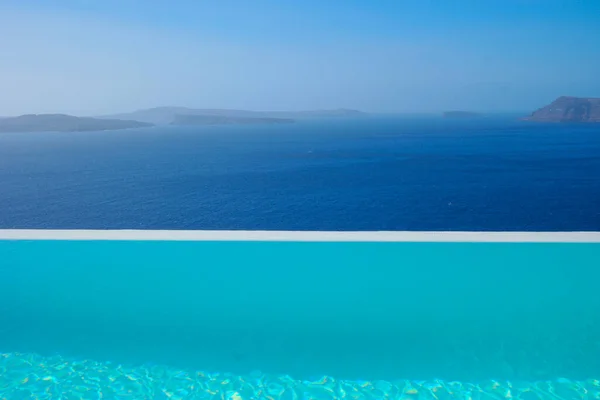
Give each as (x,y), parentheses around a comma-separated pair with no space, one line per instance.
(301,236)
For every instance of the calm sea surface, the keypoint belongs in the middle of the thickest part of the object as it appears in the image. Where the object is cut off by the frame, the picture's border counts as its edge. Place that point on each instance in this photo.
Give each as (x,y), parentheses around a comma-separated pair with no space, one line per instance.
(366,174)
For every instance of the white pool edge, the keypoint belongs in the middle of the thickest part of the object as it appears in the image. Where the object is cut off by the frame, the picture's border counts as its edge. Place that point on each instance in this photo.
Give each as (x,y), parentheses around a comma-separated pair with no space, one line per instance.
(301,236)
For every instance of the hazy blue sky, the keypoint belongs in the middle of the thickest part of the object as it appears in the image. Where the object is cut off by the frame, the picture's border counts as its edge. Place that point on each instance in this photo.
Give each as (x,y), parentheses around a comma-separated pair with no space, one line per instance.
(91,57)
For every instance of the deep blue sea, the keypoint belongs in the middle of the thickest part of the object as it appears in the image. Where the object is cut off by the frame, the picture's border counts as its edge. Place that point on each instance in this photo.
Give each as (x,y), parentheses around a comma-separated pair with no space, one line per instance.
(491,174)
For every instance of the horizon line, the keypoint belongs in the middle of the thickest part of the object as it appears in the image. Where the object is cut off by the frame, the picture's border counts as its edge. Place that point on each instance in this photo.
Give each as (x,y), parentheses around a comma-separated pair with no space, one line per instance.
(365,113)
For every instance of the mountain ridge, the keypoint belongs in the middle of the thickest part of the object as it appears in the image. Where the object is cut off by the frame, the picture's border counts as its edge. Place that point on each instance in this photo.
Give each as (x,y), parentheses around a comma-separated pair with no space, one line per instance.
(568,109)
(194,120)
(64,123)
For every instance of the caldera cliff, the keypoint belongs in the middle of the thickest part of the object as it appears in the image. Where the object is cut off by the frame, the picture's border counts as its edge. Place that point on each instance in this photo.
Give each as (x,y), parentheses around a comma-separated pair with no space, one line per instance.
(569,109)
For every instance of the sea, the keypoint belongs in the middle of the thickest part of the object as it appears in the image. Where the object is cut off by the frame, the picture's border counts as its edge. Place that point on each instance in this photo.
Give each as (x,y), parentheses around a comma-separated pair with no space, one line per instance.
(367,174)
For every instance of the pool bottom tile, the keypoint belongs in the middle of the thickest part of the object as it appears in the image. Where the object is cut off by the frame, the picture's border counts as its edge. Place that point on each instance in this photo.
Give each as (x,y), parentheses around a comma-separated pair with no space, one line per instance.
(32,376)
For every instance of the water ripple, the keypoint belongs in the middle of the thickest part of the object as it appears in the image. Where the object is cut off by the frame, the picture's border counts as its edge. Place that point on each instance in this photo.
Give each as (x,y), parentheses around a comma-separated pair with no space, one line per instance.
(31,376)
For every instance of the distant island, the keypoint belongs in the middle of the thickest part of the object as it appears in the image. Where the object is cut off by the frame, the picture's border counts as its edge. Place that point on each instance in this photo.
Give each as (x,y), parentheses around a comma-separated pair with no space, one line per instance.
(168,115)
(224,120)
(64,123)
(161,116)
(461,114)
(568,109)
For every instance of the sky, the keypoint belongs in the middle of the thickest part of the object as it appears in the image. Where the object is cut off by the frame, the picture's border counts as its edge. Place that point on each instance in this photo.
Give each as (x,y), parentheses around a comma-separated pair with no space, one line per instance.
(94,57)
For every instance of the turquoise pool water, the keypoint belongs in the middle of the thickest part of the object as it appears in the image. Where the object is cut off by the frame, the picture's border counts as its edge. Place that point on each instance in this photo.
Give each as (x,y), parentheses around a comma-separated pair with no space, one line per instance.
(299,320)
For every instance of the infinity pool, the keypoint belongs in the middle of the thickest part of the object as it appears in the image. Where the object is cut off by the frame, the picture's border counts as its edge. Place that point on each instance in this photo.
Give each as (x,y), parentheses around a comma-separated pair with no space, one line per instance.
(184,315)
